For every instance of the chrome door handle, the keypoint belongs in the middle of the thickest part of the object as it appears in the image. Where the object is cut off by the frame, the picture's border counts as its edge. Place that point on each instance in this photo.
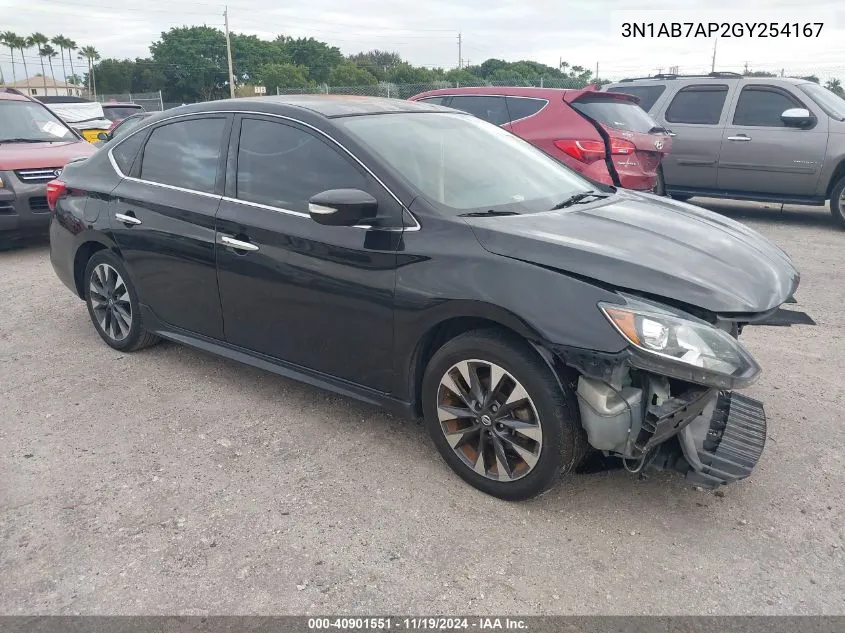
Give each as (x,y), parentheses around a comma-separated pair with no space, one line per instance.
(741,137)
(127,219)
(671,134)
(238,245)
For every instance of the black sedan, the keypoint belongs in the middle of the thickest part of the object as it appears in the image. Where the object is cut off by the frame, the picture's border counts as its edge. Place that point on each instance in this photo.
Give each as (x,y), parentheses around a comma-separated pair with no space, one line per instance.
(424,260)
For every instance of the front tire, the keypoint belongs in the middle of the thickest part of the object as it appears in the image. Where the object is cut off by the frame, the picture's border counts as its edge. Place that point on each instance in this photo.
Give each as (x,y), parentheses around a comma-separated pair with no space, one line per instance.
(113,304)
(837,202)
(498,416)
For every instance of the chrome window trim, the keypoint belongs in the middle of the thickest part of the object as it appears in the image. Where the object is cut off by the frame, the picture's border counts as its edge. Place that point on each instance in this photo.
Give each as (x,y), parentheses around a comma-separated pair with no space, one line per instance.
(140,129)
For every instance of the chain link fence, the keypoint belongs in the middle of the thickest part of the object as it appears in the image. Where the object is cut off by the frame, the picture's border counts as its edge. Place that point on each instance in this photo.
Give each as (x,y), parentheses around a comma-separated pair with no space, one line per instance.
(150,101)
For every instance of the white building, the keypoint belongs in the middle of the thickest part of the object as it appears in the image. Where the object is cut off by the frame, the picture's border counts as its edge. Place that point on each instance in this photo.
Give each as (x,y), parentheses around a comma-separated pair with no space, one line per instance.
(35,87)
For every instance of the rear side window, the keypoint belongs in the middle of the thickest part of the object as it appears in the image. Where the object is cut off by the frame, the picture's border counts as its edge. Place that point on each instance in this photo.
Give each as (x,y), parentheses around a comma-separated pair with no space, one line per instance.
(435,100)
(698,104)
(648,94)
(184,154)
(522,107)
(126,152)
(617,114)
(763,107)
(283,166)
(492,109)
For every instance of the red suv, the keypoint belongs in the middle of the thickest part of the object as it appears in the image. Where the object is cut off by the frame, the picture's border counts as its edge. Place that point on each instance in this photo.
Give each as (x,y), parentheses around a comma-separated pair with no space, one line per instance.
(34,147)
(605,136)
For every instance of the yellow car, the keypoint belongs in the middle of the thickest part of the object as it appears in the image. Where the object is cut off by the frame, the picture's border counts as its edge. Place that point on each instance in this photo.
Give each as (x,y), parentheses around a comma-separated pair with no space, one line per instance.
(84,116)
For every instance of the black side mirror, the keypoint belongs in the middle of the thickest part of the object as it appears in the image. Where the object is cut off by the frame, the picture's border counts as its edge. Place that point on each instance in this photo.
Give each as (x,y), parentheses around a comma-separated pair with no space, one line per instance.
(342,207)
(797,117)
(104,136)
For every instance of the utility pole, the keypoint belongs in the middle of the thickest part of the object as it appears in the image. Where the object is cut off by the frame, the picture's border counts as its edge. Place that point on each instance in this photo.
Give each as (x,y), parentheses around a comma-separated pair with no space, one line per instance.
(597,72)
(229,54)
(460,55)
(713,63)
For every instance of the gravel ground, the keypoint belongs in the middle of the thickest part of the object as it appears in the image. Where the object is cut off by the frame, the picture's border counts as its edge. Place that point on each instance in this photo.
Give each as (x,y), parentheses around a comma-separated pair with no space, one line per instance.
(172,482)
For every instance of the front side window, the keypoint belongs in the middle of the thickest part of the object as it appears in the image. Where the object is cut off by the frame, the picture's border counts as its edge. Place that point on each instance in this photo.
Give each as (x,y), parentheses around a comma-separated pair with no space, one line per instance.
(29,122)
(184,154)
(762,107)
(832,104)
(698,104)
(492,109)
(460,163)
(284,166)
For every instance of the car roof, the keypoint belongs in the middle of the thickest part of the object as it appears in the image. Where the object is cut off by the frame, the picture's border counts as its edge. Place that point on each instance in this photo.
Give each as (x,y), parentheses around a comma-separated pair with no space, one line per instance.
(8,95)
(703,79)
(327,106)
(508,91)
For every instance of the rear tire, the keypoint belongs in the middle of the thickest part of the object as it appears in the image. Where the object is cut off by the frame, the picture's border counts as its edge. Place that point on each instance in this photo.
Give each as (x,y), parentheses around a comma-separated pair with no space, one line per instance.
(837,202)
(113,304)
(518,451)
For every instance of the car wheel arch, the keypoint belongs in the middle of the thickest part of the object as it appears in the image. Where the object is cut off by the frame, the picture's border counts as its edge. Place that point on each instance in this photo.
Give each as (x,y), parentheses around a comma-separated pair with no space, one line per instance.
(84,253)
(835,177)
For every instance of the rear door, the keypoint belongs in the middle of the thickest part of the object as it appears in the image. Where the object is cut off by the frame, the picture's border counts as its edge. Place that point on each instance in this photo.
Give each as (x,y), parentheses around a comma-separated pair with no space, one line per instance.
(760,154)
(162,217)
(695,116)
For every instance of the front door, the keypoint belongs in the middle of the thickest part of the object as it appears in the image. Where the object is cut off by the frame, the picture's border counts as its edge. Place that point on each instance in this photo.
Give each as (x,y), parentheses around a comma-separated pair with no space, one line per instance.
(761,155)
(162,217)
(319,297)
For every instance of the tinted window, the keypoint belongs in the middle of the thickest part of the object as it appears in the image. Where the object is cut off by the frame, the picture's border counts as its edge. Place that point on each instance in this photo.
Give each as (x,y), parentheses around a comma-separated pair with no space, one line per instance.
(435,100)
(698,104)
(460,163)
(762,107)
(116,113)
(614,113)
(520,108)
(283,166)
(831,103)
(648,94)
(184,154)
(491,109)
(124,154)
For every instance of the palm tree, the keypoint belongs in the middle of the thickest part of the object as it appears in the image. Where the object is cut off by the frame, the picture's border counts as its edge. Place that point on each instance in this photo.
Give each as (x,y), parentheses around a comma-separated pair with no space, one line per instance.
(10,39)
(835,86)
(21,43)
(38,40)
(70,45)
(90,53)
(49,52)
(61,42)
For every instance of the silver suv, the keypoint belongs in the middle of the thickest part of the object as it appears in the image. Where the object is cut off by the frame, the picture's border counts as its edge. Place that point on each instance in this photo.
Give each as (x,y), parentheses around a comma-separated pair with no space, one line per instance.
(769,139)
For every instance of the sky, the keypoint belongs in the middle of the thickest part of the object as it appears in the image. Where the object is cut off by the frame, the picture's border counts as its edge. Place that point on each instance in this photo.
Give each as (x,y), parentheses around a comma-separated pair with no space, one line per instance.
(582,32)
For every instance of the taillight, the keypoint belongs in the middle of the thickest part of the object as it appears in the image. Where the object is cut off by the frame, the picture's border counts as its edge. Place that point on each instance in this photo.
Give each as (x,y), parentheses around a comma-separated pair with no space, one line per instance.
(55,190)
(584,150)
(621,146)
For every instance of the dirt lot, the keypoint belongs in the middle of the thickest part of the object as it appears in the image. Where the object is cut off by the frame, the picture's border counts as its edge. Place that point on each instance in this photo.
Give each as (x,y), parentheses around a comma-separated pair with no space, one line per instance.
(171,482)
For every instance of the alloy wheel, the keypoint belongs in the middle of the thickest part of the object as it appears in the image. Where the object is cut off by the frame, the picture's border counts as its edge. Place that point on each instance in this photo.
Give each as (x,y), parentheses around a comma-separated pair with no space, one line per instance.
(489,420)
(110,302)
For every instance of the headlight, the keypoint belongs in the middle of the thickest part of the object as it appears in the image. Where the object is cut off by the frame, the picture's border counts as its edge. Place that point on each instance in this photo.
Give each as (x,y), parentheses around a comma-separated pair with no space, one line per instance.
(678,345)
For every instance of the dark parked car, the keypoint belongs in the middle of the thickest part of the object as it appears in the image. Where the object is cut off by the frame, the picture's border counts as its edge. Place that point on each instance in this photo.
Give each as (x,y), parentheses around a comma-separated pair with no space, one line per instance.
(422,259)
(604,136)
(121,128)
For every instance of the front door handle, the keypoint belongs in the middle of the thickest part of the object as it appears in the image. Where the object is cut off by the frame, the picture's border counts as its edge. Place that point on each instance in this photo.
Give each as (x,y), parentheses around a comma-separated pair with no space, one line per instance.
(131,220)
(671,133)
(739,137)
(238,245)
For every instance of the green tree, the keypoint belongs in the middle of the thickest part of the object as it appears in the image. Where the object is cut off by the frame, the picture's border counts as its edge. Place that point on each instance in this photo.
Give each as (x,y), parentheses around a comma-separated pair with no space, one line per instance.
(759,73)
(49,53)
(114,75)
(13,41)
(405,73)
(507,77)
(286,76)
(317,57)
(376,62)
(61,41)
(348,74)
(812,78)
(835,86)
(488,67)
(193,60)
(147,76)
(91,55)
(250,53)
(462,77)
(38,40)
(70,45)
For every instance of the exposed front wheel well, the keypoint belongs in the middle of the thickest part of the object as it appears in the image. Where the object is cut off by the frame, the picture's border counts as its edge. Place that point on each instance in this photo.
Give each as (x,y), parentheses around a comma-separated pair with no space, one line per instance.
(80,261)
(838,174)
(438,336)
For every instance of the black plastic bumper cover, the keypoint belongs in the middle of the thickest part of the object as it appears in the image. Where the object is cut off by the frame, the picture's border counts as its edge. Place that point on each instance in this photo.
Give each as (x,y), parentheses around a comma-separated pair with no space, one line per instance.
(734,441)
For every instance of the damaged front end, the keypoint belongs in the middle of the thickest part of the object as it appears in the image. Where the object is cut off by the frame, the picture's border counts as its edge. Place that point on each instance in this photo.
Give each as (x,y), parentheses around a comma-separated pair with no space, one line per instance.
(668,401)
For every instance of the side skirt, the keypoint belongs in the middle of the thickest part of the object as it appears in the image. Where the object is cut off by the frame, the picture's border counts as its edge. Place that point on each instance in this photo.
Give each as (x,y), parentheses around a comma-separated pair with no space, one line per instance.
(281,368)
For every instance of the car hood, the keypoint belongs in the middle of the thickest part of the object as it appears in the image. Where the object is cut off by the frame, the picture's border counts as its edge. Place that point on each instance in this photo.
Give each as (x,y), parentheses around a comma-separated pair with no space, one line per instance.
(645,243)
(35,155)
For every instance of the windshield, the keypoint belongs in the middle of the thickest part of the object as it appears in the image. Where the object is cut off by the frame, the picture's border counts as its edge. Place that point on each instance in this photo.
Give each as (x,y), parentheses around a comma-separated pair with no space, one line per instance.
(462,163)
(28,121)
(618,114)
(831,103)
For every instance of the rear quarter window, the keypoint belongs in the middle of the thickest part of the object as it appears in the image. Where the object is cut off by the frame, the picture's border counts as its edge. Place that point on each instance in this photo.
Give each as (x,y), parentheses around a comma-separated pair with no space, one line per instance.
(524,107)
(648,94)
